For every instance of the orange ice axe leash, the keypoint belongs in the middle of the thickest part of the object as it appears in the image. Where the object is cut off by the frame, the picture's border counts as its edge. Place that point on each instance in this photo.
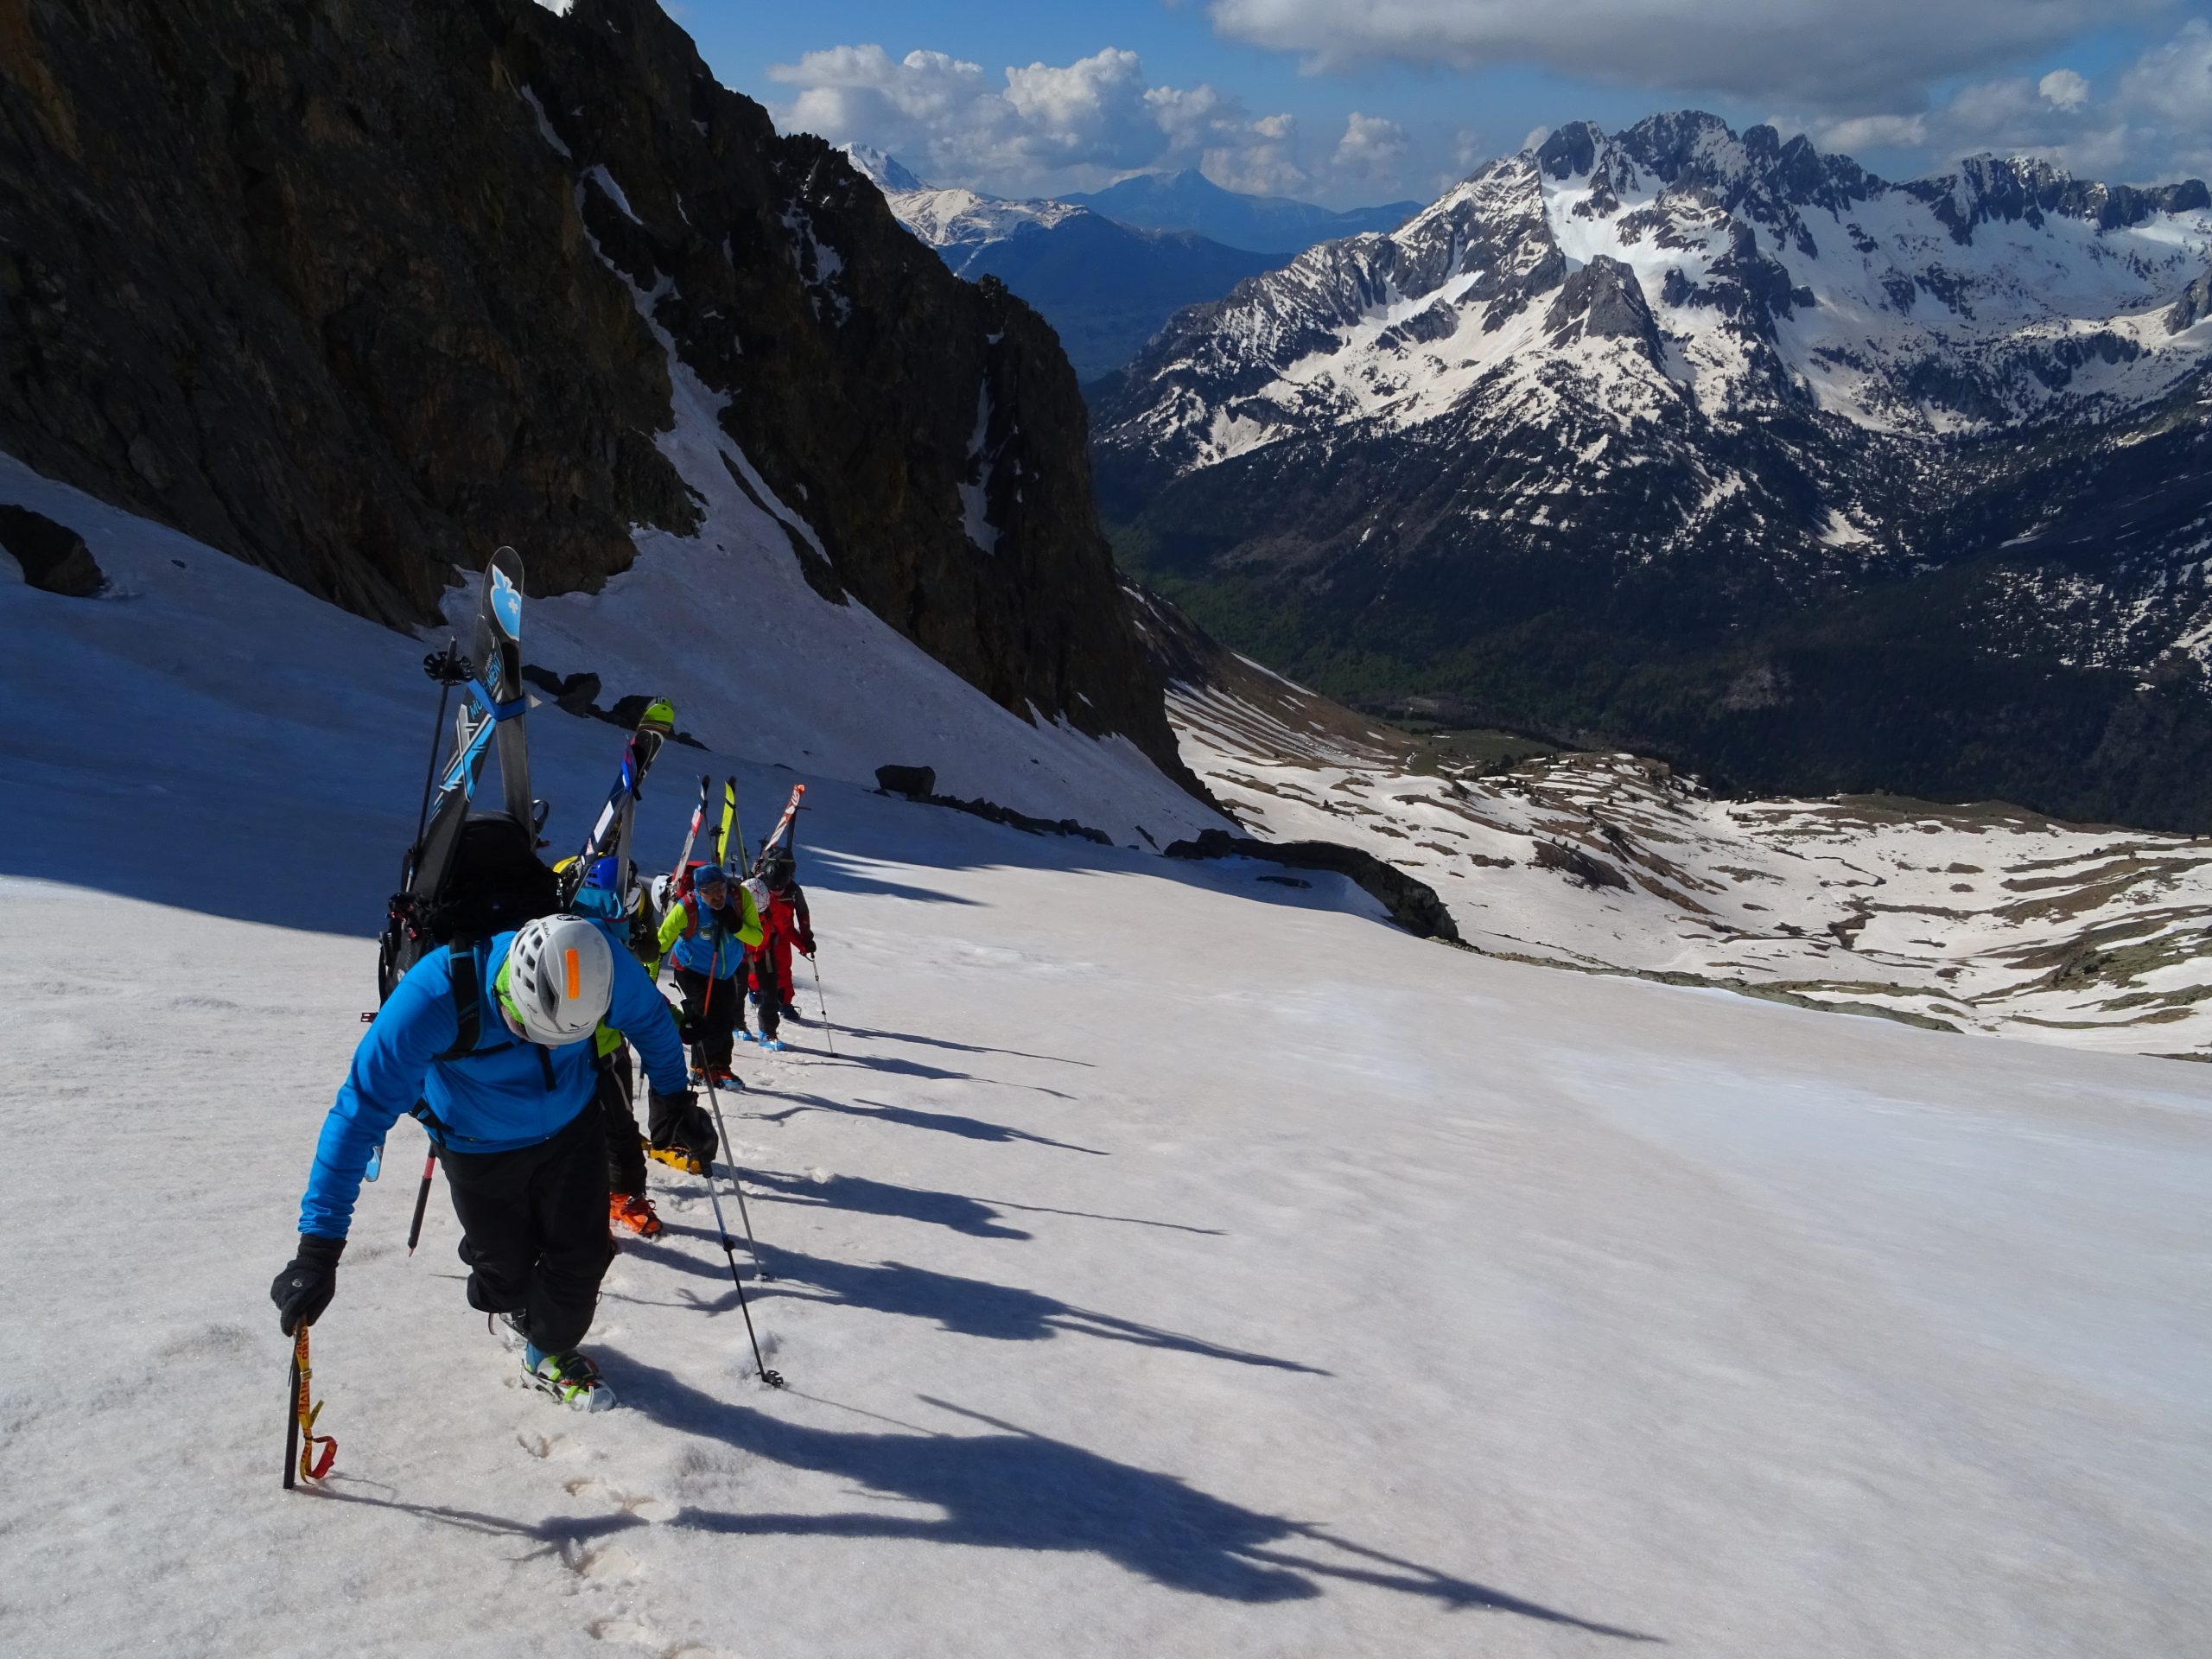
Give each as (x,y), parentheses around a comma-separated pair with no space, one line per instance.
(299,1421)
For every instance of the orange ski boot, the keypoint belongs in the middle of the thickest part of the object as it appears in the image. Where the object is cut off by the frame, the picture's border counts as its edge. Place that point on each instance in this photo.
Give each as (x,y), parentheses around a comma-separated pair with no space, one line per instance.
(634,1212)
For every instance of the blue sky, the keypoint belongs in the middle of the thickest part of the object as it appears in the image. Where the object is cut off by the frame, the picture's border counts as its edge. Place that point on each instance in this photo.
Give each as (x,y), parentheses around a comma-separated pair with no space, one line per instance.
(1343,102)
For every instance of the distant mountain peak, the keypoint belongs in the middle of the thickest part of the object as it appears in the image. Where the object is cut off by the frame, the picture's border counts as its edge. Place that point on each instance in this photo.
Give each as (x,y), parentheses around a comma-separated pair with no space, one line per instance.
(882,168)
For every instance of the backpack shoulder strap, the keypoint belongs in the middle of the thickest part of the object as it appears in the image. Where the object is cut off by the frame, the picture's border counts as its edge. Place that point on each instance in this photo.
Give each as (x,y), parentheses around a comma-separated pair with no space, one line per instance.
(467,998)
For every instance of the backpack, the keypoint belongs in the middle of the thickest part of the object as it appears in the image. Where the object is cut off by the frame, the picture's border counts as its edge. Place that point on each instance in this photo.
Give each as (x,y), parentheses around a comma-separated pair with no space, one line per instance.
(495,882)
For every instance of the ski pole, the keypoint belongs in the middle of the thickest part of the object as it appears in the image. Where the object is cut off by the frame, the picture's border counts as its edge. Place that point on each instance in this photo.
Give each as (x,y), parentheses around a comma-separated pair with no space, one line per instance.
(448,668)
(422,1198)
(736,1187)
(292,1413)
(828,1031)
(774,1379)
(300,1415)
(722,1129)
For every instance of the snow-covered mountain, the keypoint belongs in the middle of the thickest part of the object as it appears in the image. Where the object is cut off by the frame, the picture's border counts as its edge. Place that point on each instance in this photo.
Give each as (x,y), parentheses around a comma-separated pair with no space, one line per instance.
(1667,435)
(957,222)
(1107,287)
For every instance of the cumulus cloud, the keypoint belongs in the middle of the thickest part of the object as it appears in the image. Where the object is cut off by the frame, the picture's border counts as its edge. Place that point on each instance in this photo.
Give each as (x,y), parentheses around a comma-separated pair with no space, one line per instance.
(1038,128)
(2152,124)
(1835,56)
(1371,147)
(2064,89)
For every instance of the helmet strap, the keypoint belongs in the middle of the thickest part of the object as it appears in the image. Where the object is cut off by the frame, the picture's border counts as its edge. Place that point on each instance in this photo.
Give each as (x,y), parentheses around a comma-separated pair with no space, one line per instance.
(507,1005)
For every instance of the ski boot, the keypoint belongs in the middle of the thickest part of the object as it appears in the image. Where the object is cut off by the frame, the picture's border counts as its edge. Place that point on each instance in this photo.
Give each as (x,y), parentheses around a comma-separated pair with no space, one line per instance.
(698,1077)
(635,1212)
(677,1157)
(570,1380)
(772,1045)
(726,1080)
(789,1012)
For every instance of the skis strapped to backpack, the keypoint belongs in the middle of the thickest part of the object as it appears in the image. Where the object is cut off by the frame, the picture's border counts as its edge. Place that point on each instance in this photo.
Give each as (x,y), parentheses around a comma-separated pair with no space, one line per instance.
(490,718)
(610,831)
(679,881)
(783,829)
(728,826)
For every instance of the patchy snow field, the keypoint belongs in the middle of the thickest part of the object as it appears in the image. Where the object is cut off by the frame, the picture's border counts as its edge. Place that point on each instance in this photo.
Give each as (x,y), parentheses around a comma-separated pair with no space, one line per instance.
(1165,1263)
(1976,918)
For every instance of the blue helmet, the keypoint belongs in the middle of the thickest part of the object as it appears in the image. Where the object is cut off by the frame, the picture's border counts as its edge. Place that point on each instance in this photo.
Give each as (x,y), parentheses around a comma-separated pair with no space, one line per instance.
(604,873)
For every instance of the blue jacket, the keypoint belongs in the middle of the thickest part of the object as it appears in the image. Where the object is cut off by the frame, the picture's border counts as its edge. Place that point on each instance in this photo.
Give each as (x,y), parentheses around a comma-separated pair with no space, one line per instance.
(503,1093)
(695,938)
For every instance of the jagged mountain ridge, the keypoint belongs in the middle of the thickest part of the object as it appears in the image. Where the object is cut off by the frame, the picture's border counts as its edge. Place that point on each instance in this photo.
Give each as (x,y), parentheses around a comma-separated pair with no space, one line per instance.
(1665,438)
(1105,287)
(356,293)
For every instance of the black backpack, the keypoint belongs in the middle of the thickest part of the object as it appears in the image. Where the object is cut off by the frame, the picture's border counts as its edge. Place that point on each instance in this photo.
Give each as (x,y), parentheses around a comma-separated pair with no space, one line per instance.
(496,882)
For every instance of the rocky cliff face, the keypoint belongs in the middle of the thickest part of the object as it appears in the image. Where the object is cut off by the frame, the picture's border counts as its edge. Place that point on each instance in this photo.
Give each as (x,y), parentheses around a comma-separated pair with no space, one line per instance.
(359,289)
(1712,446)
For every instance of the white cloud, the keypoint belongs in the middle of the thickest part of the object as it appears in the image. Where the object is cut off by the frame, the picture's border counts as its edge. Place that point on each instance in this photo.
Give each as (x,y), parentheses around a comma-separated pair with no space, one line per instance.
(2152,125)
(1042,127)
(2064,89)
(1370,147)
(1843,56)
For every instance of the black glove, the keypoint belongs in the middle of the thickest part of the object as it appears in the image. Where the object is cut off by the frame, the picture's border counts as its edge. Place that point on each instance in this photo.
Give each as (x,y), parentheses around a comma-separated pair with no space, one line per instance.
(308,1283)
(678,1120)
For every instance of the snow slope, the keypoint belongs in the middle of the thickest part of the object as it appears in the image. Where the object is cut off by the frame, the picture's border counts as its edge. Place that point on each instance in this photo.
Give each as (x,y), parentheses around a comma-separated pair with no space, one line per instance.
(1165,1262)
(1975,918)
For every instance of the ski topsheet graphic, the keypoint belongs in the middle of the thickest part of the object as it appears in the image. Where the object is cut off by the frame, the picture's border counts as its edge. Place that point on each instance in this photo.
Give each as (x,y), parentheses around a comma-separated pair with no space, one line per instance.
(491,716)
(776,836)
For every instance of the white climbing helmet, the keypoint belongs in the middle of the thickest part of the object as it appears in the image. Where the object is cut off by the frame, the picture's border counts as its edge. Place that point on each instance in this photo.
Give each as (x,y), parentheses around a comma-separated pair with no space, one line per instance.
(560,976)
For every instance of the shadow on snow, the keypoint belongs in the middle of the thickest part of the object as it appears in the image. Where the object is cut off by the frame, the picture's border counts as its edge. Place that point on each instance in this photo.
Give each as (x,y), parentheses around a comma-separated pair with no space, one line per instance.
(969,1128)
(1014,1489)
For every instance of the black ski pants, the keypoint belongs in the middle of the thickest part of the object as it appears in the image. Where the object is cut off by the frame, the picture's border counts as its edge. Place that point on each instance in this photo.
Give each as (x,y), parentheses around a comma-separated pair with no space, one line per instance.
(533,1223)
(712,1008)
(617,1107)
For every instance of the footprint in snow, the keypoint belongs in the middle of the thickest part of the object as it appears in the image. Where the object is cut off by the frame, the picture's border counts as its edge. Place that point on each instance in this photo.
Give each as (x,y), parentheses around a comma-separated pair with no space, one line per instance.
(607,1562)
(644,1506)
(636,1631)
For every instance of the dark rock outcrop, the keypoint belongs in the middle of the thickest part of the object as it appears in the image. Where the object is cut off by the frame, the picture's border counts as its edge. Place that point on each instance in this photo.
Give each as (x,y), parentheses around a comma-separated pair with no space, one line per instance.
(52,557)
(914,782)
(357,290)
(1412,904)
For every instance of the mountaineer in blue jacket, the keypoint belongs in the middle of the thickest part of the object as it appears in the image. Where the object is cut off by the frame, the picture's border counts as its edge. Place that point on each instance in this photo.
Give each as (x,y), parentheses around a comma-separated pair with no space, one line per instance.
(496,1044)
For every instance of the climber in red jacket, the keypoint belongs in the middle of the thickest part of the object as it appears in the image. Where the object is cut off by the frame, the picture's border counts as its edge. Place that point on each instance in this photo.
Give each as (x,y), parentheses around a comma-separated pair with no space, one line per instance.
(785,922)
